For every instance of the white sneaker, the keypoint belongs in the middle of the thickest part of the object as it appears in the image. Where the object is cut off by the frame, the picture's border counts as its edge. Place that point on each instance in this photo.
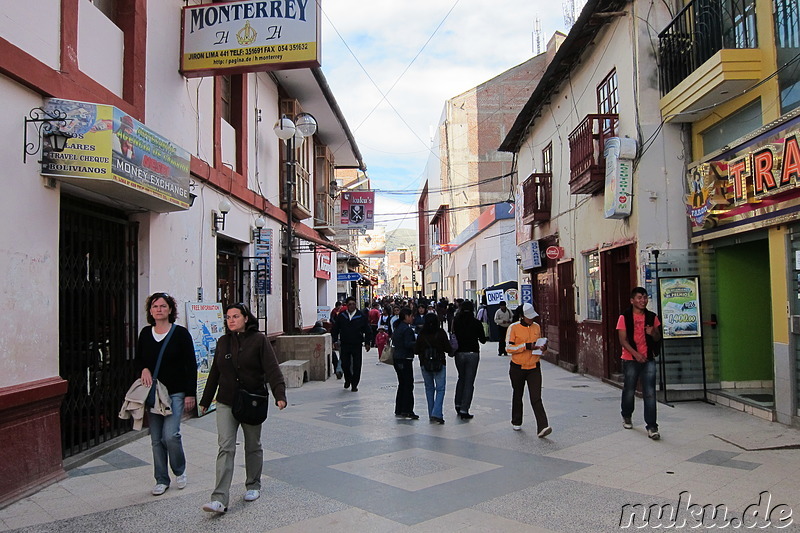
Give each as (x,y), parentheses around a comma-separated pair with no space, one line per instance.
(252,495)
(214,507)
(159,489)
(545,432)
(181,481)
(653,434)
(515,428)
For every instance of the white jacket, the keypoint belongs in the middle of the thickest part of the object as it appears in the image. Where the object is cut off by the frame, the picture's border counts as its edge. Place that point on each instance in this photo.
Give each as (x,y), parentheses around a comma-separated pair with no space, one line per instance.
(133,406)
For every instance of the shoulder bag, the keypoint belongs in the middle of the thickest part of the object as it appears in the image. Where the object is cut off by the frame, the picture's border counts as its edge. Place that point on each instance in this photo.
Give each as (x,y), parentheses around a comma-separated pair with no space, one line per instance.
(150,401)
(248,407)
(387,355)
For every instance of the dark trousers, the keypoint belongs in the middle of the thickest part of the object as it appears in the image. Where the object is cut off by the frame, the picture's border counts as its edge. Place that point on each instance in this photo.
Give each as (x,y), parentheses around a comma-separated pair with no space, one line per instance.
(350,355)
(404,401)
(467,366)
(533,378)
(501,346)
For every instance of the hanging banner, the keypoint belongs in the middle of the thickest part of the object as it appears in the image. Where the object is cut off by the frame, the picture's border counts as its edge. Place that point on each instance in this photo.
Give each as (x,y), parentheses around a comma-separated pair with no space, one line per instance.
(680,307)
(206,325)
(373,244)
(263,266)
(619,153)
(235,37)
(357,210)
(530,255)
(322,260)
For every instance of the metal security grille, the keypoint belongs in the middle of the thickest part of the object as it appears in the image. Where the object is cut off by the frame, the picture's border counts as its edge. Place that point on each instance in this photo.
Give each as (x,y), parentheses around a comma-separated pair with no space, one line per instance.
(97,321)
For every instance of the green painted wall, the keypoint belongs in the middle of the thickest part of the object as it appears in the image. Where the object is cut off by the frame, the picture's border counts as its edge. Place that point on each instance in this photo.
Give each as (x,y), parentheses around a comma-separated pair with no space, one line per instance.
(745,319)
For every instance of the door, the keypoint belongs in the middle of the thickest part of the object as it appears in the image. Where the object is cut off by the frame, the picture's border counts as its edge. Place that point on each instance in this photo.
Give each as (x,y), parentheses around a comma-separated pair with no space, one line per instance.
(618,274)
(567,329)
(97,321)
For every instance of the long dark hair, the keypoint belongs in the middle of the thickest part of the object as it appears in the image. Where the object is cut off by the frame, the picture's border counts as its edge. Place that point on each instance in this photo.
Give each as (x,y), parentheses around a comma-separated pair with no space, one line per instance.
(173,307)
(251,322)
(430,324)
(466,312)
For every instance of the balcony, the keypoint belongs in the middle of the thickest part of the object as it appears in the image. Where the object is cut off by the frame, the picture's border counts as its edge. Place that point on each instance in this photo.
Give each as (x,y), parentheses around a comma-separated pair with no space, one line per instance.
(587,164)
(706,54)
(324,214)
(537,192)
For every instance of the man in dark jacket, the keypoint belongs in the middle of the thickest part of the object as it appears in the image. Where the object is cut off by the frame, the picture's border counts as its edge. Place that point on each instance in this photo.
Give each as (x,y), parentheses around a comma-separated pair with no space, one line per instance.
(351,330)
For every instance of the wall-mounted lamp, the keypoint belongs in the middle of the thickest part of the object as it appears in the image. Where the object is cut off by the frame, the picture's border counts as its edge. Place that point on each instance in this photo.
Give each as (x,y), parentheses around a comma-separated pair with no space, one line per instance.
(192,197)
(258,225)
(48,124)
(218,221)
(519,260)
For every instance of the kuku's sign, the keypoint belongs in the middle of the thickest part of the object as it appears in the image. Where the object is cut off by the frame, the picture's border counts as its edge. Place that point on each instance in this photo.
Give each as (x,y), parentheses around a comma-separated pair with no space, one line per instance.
(358,210)
(249,36)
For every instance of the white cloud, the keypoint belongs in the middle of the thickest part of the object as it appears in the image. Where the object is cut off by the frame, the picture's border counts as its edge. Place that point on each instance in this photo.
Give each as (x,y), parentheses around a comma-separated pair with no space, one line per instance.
(477,41)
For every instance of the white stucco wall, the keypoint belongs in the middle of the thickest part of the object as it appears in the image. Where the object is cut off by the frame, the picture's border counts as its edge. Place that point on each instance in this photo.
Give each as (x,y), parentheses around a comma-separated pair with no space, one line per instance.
(657,218)
(28,251)
(33,26)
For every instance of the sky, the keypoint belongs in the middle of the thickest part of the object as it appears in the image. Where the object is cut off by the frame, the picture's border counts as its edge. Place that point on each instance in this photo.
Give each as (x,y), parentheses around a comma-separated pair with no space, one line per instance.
(392,65)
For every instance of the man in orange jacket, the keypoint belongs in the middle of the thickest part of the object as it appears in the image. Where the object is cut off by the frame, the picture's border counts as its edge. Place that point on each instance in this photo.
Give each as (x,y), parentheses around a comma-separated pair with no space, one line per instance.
(521,343)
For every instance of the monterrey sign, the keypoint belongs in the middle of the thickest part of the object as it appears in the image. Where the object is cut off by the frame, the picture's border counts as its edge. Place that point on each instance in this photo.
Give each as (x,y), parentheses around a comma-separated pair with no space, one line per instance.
(249,36)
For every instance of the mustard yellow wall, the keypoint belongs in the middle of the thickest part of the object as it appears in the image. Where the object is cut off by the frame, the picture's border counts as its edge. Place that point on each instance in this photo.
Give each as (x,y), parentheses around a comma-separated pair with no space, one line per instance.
(778,261)
(768,92)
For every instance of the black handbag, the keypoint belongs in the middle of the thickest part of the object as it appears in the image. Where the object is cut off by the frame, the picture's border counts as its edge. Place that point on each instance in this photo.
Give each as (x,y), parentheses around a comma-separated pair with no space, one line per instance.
(249,407)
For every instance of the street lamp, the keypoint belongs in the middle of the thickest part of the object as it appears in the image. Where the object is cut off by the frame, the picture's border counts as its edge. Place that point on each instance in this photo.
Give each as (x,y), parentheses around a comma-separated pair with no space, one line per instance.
(292,132)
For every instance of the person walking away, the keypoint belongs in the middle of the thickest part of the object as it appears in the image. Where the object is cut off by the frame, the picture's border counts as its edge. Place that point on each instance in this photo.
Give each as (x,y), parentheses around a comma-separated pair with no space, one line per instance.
(431,346)
(525,367)
(178,373)
(244,357)
(403,341)
(640,334)
(469,332)
(350,331)
(502,317)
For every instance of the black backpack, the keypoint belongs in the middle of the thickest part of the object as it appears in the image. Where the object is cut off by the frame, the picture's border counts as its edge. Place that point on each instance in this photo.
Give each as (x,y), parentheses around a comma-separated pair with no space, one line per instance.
(430,360)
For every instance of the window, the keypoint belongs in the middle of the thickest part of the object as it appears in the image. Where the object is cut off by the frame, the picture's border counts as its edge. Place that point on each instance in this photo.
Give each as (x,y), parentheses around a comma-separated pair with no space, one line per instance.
(593,307)
(608,100)
(225,98)
(547,159)
(496,271)
(740,123)
(787,41)
(484,280)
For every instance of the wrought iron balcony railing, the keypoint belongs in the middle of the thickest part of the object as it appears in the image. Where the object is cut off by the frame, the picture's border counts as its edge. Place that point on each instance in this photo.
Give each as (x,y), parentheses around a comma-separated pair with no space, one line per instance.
(700,30)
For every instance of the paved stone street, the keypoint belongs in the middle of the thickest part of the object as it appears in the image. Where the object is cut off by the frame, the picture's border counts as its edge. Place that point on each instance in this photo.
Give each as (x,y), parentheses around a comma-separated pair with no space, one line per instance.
(339,461)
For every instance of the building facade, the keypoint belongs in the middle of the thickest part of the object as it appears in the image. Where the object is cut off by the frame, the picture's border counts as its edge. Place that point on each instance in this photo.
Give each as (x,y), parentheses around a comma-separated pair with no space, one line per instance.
(170,183)
(735,89)
(591,213)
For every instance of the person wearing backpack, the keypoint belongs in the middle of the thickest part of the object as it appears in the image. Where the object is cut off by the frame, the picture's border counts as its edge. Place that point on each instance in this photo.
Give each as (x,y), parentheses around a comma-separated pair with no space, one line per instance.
(431,346)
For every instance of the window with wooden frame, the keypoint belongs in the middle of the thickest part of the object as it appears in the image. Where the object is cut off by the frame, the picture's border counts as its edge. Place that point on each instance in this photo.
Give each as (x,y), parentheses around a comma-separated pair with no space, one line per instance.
(230,143)
(304,154)
(608,100)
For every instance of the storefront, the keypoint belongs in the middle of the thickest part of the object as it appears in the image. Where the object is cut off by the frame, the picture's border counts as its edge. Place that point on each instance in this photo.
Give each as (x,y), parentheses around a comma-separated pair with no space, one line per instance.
(744,209)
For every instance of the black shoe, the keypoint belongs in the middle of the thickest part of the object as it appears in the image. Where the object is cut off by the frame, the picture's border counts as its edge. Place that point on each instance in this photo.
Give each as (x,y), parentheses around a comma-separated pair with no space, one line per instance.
(346,384)
(465,416)
(354,389)
(411,416)
(338,375)
(436,420)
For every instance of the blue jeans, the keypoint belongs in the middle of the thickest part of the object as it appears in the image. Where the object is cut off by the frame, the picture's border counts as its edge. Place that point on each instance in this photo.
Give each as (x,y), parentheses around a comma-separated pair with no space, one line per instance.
(634,371)
(165,436)
(467,366)
(434,390)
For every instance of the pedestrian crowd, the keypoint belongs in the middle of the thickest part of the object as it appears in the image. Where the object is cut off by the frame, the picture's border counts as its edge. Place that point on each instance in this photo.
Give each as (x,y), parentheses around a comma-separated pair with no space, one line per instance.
(245,363)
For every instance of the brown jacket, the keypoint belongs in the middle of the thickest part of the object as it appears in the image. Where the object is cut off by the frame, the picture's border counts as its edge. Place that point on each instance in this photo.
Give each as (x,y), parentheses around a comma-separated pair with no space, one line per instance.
(255,362)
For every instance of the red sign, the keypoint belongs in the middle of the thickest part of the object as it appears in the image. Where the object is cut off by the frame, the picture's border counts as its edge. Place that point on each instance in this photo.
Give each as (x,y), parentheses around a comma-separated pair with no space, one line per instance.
(324,267)
(554,252)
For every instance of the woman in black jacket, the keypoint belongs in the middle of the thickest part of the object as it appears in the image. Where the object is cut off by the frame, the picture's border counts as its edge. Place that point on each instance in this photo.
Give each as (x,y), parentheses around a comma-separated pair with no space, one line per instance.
(432,345)
(244,357)
(403,341)
(469,332)
(178,372)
